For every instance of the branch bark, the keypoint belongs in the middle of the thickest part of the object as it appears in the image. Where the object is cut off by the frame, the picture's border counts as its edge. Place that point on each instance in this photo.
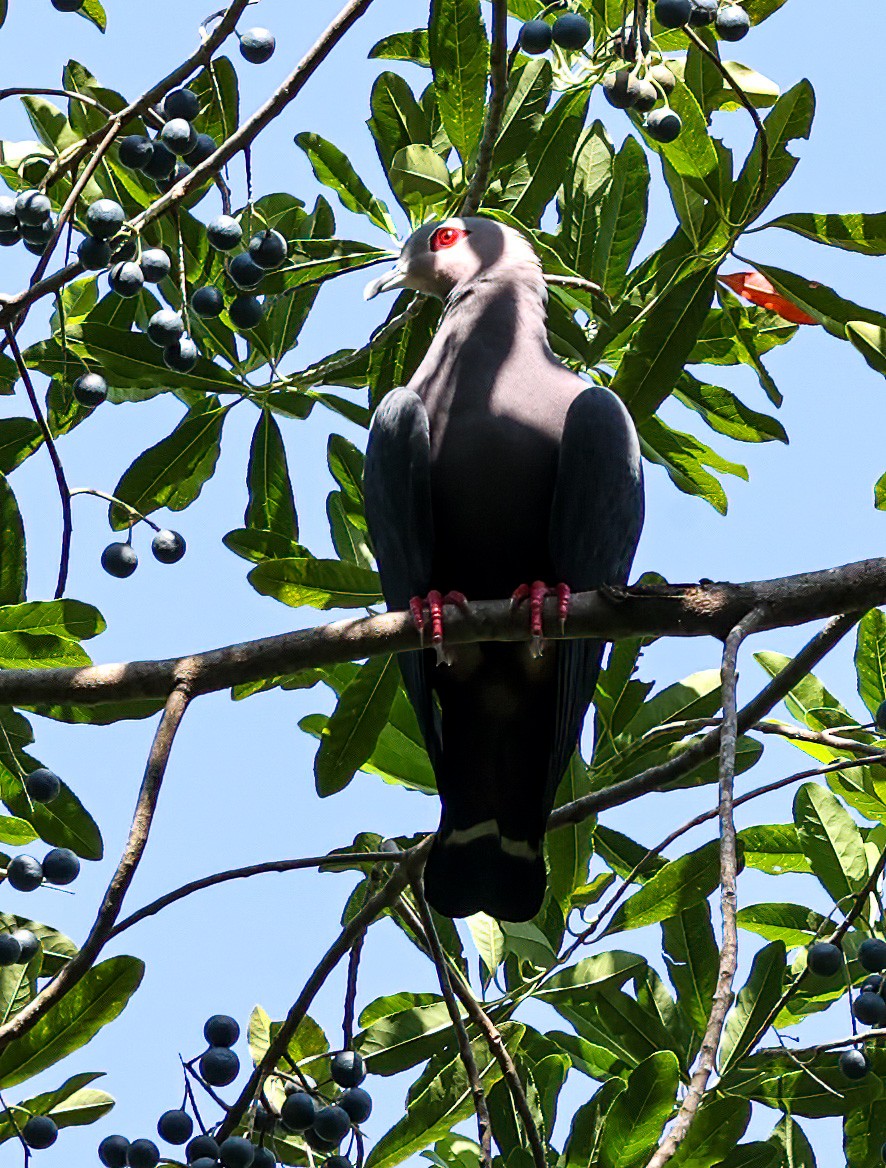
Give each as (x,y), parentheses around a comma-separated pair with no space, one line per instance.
(678,610)
(498,88)
(112,902)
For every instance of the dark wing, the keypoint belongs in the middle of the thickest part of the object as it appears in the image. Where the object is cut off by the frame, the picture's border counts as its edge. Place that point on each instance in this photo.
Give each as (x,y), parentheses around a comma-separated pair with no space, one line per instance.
(596,518)
(397,487)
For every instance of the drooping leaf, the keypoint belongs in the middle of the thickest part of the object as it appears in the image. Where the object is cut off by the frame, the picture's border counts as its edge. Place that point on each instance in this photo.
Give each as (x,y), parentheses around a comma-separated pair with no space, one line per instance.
(773,1077)
(715,1131)
(870,659)
(402,1030)
(333,169)
(831,841)
(789,119)
(635,1121)
(320,584)
(271,504)
(755,1001)
(691,955)
(622,217)
(13,558)
(459,57)
(794,924)
(351,733)
(680,885)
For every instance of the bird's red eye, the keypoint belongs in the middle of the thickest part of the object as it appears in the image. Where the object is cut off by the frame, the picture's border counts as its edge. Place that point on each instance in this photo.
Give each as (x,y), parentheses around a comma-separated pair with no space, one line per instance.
(446,237)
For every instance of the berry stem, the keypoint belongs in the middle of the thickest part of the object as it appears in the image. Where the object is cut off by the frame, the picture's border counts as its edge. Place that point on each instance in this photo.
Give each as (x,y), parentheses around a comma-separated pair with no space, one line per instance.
(118,502)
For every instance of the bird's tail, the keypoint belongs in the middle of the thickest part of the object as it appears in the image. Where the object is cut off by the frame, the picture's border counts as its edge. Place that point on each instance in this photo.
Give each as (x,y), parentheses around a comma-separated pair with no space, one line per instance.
(476,869)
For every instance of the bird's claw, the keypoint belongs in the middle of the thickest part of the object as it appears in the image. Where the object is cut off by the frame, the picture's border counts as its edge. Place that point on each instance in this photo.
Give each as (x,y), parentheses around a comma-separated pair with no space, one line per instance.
(536,594)
(435,602)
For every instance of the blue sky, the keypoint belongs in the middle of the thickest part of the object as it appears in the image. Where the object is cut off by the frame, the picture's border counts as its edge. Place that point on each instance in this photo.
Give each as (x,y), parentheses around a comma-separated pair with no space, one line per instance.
(240,786)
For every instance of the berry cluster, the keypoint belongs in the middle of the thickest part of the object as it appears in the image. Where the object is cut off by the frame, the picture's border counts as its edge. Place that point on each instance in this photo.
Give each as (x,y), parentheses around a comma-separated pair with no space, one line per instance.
(324,1122)
(644,86)
(121,559)
(27,218)
(18,947)
(60,866)
(825,959)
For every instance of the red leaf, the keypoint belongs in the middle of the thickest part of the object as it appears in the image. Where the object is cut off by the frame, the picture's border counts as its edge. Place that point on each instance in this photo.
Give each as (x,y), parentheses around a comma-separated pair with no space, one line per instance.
(756,288)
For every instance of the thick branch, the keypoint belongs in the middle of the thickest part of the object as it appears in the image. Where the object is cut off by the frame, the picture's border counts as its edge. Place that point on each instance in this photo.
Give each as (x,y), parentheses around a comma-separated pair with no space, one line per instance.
(498,88)
(112,903)
(675,610)
(728,899)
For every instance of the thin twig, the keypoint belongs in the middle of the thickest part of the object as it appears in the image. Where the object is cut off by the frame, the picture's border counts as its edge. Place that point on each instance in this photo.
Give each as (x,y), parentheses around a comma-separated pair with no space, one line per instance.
(34,91)
(117,503)
(351,992)
(465,1050)
(21,1139)
(112,902)
(61,481)
(498,88)
(728,899)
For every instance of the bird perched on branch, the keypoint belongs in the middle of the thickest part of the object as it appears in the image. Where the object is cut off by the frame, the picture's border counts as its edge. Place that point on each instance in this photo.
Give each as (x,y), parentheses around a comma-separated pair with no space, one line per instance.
(496,472)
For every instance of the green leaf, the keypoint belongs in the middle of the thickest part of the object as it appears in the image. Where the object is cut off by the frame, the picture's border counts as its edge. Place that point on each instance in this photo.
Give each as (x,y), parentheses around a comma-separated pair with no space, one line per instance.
(789,1138)
(529,90)
(870,340)
(661,346)
(71,1105)
(584,188)
(94,12)
(97,999)
(692,958)
(790,118)
(831,841)
(419,175)
(864,1134)
(685,459)
(715,1131)
(320,584)
(440,1099)
(459,57)
(870,659)
(753,1155)
(350,735)
(253,544)
(680,885)
(271,504)
(569,848)
(863,233)
(755,1001)
(13,558)
(773,848)
(402,1030)
(403,46)
(19,438)
(576,983)
(794,924)
(773,1077)
(727,414)
(15,831)
(70,619)
(692,154)
(534,184)
(637,1117)
(622,217)
(398,119)
(488,939)
(332,168)
(172,473)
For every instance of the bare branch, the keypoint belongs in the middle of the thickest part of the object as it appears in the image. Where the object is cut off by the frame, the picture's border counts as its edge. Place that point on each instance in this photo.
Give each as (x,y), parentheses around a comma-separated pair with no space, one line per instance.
(498,88)
(466,1053)
(112,902)
(728,899)
(351,992)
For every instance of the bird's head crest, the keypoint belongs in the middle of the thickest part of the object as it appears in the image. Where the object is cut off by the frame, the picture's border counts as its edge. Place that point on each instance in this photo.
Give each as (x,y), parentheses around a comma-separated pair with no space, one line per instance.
(441,256)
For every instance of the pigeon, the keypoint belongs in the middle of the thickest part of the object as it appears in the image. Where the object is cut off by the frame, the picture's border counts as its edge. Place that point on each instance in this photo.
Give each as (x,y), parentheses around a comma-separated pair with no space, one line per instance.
(496,472)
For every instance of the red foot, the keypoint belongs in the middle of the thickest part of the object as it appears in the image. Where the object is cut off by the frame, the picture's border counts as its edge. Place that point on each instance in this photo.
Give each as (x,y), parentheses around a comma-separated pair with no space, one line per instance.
(434,602)
(536,595)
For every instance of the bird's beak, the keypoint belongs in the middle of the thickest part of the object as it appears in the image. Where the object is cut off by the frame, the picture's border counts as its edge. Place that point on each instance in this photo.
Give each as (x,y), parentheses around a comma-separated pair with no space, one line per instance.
(397,277)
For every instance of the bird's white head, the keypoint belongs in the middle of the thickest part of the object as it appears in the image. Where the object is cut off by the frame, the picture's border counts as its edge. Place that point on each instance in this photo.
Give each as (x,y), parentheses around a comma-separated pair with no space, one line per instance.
(441,256)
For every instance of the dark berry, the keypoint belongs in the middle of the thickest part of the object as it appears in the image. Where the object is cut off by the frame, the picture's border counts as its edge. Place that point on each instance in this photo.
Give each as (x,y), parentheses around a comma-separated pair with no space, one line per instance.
(245,312)
(663,125)
(268,249)
(317,1143)
(175,1127)
(9,238)
(181,356)
(142,1154)
(204,147)
(201,1147)
(624,43)
(357,1103)
(854,1063)
(61,866)
(165,328)
(155,265)
(10,950)
(621,89)
(535,37)
(244,271)
(135,151)
(124,249)
(733,23)
(67,5)
(182,170)
(872,955)
(661,76)
(28,942)
(298,1111)
(120,560)
(161,163)
(220,1029)
(40,1132)
(673,13)
(703,12)
(169,547)
(571,31)
(646,96)
(24,873)
(224,233)
(337,1162)
(112,1151)
(8,219)
(32,208)
(219,1066)
(264,1158)
(348,1069)
(236,1152)
(94,254)
(204,1162)
(179,136)
(41,234)
(332,1124)
(42,785)
(207,302)
(824,959)
(257,45)
(104,218)
(181,103)
(880,717)
(870,1009)
(127,279)
(90,389)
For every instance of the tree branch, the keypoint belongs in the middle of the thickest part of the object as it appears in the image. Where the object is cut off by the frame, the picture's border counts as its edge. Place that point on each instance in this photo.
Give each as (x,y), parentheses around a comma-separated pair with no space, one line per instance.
(728,898)
(484,1123)
(112,902)
(498,88)
(675,610)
